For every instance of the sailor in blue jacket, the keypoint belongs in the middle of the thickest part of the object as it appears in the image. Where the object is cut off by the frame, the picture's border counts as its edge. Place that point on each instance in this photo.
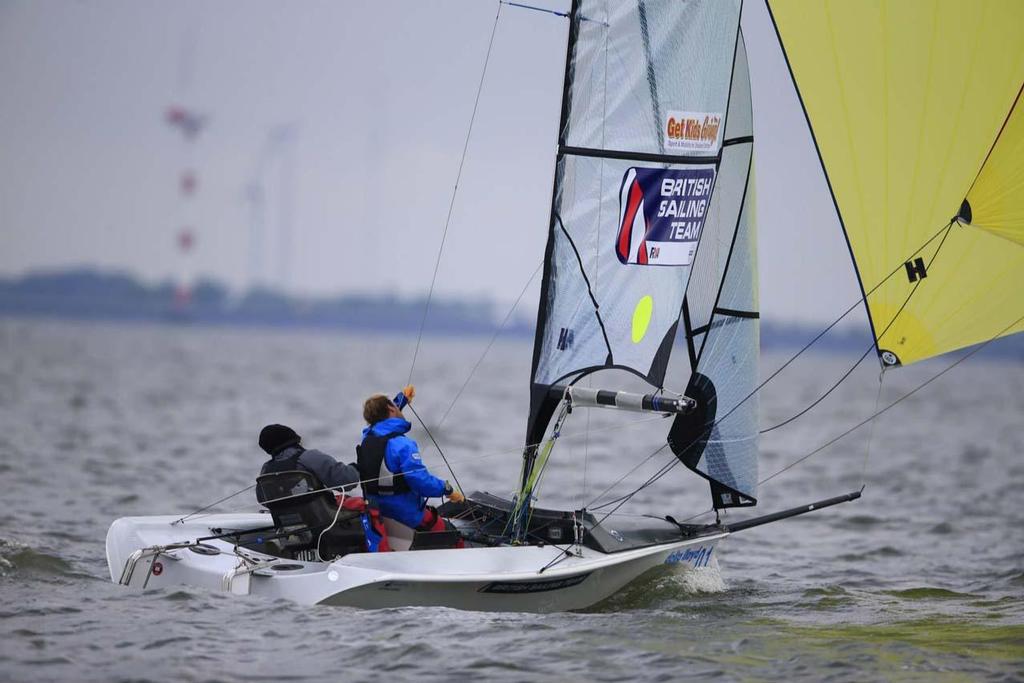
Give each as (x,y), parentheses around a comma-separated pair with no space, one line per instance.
(393,476)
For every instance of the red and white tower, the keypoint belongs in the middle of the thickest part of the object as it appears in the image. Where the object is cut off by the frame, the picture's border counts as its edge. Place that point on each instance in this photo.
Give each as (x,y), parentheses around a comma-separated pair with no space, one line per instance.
(189,123)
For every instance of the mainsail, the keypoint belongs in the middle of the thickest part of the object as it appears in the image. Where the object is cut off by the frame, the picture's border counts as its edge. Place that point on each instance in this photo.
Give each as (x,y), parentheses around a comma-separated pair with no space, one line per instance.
(651,181)
(915,108)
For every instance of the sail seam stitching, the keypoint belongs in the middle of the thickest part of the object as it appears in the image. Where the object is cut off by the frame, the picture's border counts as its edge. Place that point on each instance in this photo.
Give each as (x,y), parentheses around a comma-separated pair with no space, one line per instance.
(637,156)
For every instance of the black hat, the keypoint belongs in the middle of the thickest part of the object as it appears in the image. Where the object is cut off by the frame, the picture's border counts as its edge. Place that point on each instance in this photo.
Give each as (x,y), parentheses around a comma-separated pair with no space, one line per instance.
(273,438)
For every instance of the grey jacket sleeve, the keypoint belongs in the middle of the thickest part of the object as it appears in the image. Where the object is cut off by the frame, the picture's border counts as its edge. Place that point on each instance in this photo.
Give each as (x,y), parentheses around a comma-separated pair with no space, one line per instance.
(328,470)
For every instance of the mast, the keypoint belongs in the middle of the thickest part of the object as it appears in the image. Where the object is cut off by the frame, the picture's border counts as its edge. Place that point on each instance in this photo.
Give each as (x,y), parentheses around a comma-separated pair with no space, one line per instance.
(538,419)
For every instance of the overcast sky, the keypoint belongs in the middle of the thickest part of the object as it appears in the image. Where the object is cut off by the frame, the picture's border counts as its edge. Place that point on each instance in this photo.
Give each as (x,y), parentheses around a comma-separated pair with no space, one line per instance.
(376,97)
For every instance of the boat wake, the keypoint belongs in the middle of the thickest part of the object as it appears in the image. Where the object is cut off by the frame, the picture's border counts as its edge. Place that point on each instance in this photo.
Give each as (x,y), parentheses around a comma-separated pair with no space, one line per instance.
(664,585)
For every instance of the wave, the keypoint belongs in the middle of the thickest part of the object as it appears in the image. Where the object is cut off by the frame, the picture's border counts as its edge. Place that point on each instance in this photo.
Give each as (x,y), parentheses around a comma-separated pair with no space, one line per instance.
(18,558)
(664,585)
(929,593)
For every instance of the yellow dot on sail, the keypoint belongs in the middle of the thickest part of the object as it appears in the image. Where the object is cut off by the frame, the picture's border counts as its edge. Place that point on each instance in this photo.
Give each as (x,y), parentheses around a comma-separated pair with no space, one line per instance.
(642,318)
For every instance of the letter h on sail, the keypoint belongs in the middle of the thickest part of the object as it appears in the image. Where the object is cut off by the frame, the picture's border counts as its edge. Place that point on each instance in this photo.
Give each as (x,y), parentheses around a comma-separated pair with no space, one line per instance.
(916,269)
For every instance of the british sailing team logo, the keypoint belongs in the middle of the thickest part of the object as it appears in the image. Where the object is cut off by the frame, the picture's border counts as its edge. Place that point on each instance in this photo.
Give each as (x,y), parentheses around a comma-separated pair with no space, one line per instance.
(661,214)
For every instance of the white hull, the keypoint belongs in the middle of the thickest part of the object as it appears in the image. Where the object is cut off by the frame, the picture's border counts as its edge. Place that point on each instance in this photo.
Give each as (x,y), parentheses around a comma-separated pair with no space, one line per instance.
(508,578)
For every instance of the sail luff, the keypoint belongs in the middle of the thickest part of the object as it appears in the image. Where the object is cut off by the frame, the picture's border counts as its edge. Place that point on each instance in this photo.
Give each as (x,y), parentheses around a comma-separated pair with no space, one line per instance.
(541,407)
(824,171)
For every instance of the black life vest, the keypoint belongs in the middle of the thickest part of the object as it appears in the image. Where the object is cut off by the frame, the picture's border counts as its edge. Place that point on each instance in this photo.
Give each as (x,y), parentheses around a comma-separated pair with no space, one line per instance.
(376,478)
(272,488)
(290,464)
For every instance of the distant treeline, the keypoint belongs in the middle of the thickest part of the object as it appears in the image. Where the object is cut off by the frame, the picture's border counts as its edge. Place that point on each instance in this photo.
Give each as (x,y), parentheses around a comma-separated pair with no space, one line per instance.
(89,294)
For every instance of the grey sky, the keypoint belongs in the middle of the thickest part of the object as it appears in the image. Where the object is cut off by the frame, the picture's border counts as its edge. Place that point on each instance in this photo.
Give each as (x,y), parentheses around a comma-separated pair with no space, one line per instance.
(378,96)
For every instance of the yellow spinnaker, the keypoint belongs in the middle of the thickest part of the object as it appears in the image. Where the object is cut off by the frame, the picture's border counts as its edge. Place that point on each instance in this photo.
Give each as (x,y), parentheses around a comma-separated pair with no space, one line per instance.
(911,104)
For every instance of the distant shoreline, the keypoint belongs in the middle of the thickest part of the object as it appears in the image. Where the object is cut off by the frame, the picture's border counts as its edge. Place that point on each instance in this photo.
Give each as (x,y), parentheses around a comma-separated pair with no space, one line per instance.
(86,294)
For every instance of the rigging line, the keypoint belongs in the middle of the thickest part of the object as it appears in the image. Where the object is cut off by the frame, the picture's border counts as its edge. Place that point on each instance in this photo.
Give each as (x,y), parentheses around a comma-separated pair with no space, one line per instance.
(892,321)
(517,449)
(665,469)
(436,445)
(831,325)
(494,337)
(551,11)
(455,193)
(871,435)
(597,243)
(894,403)
(623,478)
(203,509)
(823,396)
(625,499)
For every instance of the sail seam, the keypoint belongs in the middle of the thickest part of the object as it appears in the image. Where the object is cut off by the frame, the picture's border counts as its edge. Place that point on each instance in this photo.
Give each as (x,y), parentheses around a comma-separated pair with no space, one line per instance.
(637,156)
(741,140)
(737,314)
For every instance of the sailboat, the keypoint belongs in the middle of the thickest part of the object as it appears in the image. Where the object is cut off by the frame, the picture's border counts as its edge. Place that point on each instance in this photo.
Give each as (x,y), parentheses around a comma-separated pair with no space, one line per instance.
(652,250)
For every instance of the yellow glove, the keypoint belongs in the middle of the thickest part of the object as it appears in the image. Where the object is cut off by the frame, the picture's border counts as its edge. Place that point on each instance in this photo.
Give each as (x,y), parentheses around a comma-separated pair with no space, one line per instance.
(410,393)
(456,497)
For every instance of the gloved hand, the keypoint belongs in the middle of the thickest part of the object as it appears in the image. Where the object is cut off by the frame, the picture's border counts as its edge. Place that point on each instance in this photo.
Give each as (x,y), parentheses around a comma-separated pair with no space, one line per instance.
(456,497)
(410,392)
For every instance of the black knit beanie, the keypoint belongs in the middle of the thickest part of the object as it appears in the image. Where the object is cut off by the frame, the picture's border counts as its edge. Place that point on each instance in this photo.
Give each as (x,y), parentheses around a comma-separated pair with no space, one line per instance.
(274,438)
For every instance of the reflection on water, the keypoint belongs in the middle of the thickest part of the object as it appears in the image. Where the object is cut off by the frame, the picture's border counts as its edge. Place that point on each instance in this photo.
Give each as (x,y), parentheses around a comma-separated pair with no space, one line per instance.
(922,578)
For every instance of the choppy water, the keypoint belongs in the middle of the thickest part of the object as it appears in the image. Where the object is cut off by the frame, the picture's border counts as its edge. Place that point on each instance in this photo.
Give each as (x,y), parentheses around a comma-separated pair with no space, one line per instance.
(923,579)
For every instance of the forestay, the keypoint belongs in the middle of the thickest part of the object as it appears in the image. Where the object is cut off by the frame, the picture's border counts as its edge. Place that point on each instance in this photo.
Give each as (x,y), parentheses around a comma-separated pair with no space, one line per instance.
(915,108)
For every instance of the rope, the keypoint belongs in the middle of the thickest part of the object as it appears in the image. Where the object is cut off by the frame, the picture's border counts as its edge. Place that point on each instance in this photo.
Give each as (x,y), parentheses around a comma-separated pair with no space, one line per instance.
(320,538)
(182,520)
(623,499)
(436,445)
(944,231)
(494,337)
(551,11)
(871,435)
(343,487)
(455,192)
(892,321)
(894,403)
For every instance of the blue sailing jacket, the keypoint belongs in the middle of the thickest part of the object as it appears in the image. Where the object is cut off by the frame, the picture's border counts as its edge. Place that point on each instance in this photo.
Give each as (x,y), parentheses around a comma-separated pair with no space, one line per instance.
(402,457)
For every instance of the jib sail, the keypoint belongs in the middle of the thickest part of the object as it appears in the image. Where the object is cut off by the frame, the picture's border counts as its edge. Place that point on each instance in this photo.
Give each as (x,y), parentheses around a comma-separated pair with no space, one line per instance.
(917,116)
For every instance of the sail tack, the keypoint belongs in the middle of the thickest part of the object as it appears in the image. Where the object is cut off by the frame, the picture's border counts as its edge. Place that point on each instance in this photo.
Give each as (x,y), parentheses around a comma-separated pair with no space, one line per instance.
(906,101)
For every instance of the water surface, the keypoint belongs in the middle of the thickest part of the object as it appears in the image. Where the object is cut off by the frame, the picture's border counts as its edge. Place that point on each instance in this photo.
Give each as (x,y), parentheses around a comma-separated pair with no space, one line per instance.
(922,579)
